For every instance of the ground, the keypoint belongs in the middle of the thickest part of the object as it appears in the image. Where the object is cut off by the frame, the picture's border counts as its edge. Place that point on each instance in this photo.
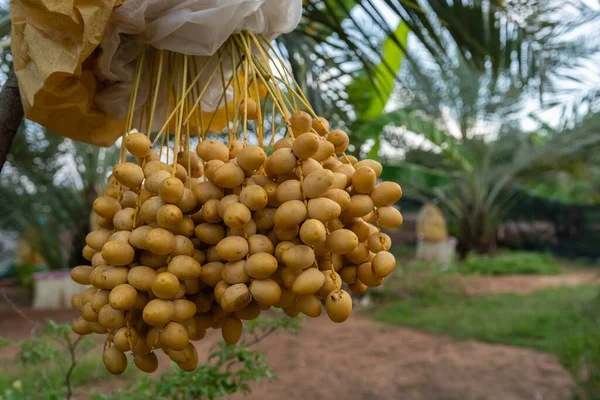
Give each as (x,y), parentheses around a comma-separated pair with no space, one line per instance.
(365,360)
(362,359)
(523,284)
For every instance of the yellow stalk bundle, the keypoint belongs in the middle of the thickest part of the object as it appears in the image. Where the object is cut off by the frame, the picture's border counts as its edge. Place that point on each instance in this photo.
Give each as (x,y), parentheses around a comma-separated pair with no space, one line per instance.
(193,240)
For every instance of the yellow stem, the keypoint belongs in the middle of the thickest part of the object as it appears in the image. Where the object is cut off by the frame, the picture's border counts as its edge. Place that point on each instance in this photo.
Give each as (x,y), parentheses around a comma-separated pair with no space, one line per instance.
(212,75)
(225,93)
(178,126)
(166,124)
(156,91)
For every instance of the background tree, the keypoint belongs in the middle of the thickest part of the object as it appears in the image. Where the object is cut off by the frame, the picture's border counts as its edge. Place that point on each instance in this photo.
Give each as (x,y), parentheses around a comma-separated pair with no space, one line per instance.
(48,186)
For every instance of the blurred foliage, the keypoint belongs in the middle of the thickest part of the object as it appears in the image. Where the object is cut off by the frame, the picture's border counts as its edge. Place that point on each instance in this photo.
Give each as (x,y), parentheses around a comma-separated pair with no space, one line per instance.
(49,366)
(483,185)
(539,320)
(403,252)
(47,187)
(340,40)
(418,279)
(510,263)
(24,274)
(369,102)
(579,354)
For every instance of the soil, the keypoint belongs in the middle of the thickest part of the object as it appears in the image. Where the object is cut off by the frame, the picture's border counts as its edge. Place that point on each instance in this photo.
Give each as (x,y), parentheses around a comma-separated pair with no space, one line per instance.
(365,360)
(523,284)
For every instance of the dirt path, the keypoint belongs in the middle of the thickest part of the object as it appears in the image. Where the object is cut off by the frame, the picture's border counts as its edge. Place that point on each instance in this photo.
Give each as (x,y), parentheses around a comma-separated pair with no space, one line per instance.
(523,284)
(25,323)
(364,360)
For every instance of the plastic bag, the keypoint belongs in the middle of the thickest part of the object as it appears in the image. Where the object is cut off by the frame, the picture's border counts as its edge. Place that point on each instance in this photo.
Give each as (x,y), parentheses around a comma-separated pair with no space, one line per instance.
(53,43)
(75,59)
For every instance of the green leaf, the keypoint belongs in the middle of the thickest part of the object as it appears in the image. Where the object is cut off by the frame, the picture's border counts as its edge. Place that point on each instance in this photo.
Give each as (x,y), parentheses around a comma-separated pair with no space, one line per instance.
(386,71)
(374,152)
(370,91)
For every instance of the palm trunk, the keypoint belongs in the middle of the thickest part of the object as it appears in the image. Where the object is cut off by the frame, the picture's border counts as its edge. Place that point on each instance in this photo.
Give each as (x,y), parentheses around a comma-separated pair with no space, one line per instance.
(478,234)
(11,115)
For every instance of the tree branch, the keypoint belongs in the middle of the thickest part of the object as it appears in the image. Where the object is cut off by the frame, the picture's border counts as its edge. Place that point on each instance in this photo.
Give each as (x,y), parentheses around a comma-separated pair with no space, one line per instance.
(11,115)
(72,346)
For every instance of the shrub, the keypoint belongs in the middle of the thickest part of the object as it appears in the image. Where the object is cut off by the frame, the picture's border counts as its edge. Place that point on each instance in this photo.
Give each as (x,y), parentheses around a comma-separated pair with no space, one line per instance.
(510,263)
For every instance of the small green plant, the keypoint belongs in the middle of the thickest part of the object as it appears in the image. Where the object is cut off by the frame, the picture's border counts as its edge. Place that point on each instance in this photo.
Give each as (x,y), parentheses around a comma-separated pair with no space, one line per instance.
(47,366)
(50,366)
(510,263)
(230,369)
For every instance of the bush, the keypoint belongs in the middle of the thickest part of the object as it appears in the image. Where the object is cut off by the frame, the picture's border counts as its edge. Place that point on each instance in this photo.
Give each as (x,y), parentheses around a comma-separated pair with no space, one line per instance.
(510,263)
(51,365)
(403,251)
(25,273)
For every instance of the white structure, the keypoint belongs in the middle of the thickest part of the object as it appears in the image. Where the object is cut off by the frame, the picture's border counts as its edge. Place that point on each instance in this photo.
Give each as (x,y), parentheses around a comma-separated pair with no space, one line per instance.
(442,251)
(53,290)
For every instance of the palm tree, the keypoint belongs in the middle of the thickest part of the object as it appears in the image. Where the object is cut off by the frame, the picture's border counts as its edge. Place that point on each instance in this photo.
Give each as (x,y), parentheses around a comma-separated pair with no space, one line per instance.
(465,52)
(464,99)
(483,185)
(339,40)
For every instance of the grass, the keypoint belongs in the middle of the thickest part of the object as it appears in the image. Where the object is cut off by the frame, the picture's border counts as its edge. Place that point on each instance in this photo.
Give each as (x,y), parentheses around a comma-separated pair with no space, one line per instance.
(541,320)
(563,321)
(510,263)
(506,262)
(418,279)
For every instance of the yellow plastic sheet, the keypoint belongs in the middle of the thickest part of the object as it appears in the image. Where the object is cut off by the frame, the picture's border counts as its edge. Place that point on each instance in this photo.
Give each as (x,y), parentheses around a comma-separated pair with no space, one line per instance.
(53,44)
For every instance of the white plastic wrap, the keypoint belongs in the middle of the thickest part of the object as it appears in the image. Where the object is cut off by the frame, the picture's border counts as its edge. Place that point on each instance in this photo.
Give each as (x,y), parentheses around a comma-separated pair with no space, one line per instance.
(193,27)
